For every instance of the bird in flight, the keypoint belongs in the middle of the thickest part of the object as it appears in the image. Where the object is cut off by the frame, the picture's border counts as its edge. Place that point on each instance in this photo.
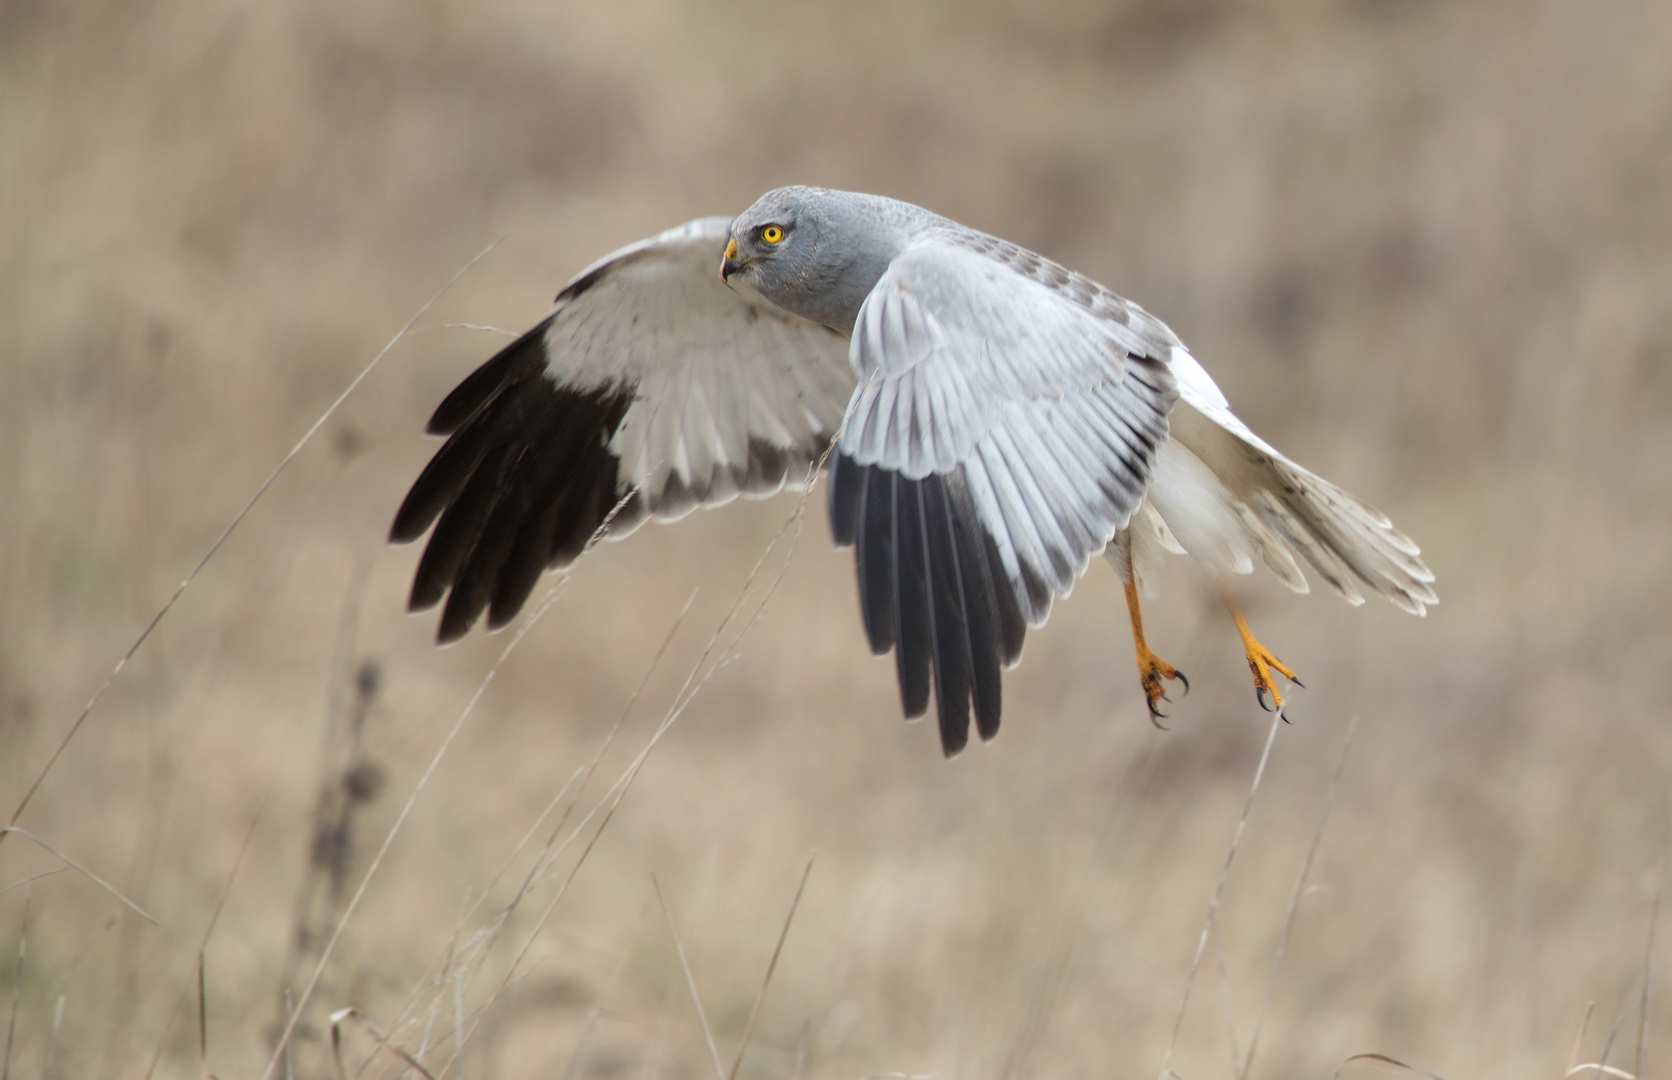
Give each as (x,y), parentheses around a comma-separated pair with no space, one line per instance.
(989,420)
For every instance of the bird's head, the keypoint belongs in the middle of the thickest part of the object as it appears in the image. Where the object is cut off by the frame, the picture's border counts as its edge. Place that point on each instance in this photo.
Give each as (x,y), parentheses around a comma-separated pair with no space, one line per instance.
(772,241)
(814,251)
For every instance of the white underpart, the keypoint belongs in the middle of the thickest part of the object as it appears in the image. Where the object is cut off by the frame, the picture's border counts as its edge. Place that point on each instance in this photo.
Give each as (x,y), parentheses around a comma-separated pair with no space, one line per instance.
(1223,495)
(1197,510)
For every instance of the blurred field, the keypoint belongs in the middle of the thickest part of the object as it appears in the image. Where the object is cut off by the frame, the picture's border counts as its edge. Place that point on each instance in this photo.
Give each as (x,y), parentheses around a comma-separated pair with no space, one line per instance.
(1425,247)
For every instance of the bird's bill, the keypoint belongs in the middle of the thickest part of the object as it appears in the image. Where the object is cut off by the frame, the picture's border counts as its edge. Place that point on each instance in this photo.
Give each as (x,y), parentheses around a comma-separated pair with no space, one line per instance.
(729,263)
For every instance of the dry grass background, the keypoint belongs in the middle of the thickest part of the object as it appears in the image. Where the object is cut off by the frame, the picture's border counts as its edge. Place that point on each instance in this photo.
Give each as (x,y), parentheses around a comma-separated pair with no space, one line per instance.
(1424,246)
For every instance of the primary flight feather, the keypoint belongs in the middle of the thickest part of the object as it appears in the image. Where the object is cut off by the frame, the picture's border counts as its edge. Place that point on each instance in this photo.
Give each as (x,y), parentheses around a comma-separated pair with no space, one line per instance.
(997,421)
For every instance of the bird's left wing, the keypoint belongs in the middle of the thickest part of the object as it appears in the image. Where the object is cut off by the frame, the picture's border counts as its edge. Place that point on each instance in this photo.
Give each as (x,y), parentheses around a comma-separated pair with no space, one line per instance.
(650,389)
(1007,415)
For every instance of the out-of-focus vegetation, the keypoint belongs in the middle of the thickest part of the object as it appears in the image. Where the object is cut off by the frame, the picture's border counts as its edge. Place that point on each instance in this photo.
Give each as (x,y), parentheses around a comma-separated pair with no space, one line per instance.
(1424,247)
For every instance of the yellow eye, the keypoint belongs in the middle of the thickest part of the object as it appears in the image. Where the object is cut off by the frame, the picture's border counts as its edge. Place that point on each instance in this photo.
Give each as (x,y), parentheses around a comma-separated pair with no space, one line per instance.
(772,234)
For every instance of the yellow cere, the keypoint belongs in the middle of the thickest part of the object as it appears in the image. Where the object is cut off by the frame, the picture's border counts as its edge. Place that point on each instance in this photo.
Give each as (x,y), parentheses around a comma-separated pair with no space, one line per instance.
(772,234)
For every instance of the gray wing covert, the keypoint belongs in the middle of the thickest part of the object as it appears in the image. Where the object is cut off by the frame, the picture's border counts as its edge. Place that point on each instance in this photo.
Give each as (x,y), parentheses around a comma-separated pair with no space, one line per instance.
(1003,429)
(650,389)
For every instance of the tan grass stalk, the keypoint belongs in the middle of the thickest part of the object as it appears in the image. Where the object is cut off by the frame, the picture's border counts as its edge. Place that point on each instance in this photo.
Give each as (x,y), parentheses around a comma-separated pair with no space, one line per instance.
(1385,1060)
(202,1022)
(649,1066)
(1579,1039)
(52,1044)
(598,1005)
(500,330)
(1219,893)
(1295,894)
(17,981)
(551,598)
(483,940)
(237,519)
(1649,946)
(688,693)
(1225,990)
(1137,782)
(382,1040)
(22,882)
(438,972)
(203,947)
(690,979)
(388,841)
(771,966)
(96,879)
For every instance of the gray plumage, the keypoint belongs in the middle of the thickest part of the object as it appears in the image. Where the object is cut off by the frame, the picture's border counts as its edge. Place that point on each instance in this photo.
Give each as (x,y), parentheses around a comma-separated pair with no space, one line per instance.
(997,420)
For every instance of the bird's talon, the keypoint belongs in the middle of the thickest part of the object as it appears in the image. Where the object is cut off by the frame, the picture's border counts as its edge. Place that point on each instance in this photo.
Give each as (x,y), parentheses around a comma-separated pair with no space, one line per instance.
(1261,663)
(1153,673)
(1179,675)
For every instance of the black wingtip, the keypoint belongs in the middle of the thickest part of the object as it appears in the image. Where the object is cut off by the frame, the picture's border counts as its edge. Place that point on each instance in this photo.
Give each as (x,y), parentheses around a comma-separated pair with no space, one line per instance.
(524,481)
(913,640)
(451,630)
(932,590)
(486,382)
(846,491)
(954,744)
(423,596)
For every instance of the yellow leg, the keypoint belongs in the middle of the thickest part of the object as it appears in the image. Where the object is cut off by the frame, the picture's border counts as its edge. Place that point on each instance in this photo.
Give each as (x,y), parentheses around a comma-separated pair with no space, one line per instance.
(1152,670)
(1262,663)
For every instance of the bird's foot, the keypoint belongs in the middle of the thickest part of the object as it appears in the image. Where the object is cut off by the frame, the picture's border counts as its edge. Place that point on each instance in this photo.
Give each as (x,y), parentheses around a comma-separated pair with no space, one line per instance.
(1262,662)
(1153,673)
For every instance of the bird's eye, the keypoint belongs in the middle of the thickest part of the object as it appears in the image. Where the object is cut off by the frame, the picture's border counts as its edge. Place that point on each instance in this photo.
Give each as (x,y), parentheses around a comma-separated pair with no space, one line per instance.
(773,234)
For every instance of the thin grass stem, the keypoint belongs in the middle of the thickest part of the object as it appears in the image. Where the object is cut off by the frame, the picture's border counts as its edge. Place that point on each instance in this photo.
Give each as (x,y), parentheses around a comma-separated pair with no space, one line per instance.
(1219,893)
(237,519)
(690,980)
(1295,895)
(771,966)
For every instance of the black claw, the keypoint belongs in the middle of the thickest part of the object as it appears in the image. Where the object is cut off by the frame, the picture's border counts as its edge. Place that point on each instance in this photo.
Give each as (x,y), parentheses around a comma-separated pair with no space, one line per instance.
(1260,696)
(1297,682)
(1180,676)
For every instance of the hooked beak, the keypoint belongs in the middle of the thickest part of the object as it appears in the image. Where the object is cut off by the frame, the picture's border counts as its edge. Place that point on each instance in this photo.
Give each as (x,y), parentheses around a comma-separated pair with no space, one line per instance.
(729,264)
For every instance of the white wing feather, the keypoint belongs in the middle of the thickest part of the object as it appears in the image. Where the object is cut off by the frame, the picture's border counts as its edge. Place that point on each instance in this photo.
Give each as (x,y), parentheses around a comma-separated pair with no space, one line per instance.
(720,375)
(1286,510)
(651,388)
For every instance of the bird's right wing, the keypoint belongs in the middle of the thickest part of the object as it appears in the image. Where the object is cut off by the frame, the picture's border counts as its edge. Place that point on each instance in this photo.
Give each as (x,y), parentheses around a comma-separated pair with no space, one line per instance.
(1004,427)
(650,389)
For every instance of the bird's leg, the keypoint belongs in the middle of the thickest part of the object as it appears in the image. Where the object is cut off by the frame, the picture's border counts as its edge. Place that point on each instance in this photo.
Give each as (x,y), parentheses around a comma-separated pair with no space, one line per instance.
(1262,663)
(1152,670)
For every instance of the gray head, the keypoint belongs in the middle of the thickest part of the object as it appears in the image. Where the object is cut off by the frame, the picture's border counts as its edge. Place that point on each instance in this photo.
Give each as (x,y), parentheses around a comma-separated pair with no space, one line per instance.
(818,252)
